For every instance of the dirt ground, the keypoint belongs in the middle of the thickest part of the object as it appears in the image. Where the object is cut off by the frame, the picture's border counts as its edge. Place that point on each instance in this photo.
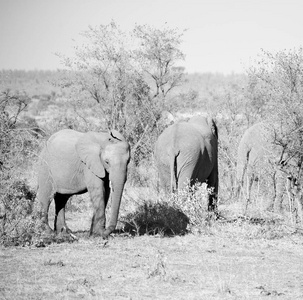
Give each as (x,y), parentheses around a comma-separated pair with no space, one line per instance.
(216,264)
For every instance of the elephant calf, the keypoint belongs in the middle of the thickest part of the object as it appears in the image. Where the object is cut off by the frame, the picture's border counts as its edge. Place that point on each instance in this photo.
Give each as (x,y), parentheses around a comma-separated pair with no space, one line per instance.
(188,151)
(74,163)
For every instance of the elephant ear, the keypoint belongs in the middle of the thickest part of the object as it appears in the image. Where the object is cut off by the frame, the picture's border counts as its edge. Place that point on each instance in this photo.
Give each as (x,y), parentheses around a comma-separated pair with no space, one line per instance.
(213,126)
(116,136)
(89,153)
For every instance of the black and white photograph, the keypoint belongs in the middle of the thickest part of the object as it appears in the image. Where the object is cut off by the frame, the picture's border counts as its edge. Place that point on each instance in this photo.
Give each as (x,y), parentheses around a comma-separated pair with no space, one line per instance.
(151,149)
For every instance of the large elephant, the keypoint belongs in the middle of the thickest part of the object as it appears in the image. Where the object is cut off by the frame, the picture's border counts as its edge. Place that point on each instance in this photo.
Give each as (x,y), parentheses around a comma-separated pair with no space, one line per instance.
(258,161)
(74,163)
(188,151)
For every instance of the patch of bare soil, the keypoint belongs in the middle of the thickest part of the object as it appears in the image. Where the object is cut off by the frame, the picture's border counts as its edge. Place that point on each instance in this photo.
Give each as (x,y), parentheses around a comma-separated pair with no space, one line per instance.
(209,266)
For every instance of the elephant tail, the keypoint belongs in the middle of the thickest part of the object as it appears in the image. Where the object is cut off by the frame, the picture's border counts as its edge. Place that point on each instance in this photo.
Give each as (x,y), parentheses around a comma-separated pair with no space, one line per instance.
(174,172)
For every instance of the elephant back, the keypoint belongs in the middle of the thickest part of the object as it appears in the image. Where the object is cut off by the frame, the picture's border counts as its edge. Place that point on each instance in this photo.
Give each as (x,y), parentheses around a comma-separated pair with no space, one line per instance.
(205,124)
(171,140)
(254,141)
(62,143)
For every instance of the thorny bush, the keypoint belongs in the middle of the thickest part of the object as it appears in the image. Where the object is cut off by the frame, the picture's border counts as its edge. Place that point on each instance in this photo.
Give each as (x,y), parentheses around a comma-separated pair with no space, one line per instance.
(17,150)
(172,214)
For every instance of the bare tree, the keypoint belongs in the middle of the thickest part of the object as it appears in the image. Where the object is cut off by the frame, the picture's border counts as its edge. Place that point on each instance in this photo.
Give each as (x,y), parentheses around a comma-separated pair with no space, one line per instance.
(158,54)
(108,74)
(278,80)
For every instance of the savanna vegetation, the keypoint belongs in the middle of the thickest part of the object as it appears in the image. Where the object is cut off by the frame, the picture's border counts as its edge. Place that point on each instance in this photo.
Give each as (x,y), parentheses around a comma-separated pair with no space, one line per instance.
(129,82)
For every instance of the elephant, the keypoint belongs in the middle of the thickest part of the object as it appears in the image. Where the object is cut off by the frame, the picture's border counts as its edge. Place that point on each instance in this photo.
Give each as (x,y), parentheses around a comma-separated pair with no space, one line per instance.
(188,152)
(259,158)
(73,163)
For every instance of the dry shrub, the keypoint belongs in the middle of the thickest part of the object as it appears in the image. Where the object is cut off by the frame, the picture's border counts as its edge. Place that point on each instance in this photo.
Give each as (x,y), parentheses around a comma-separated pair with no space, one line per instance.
(193,202)
(156,218)
(170,214)
(20,222)
(187,212)
(18,147)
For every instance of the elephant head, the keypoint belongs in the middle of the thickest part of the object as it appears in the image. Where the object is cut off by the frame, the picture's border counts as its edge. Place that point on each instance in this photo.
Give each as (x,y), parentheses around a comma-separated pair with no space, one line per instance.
(107,157)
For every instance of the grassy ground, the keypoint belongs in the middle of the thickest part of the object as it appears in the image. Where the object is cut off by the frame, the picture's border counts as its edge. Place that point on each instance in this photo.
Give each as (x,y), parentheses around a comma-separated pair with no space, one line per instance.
(227,260)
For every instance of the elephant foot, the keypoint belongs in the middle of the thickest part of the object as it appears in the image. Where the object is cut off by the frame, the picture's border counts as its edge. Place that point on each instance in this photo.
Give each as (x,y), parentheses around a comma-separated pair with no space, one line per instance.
(103,236)
(46,230)
(212,208)
(104,233)
(61,227)
(212,204)
(66,234)
(99,234)
(270,207)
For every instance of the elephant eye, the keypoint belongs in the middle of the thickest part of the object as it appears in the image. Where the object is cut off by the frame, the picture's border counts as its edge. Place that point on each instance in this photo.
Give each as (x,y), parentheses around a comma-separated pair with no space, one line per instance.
(106,161)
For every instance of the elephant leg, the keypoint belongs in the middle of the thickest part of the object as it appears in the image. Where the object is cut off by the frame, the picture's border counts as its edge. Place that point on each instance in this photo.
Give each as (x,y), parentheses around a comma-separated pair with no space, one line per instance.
(212,202)
(60,202)
(44,196)
(250,181)
(213,197)
(164,178)
(274,195)
(278,207)
(99,194)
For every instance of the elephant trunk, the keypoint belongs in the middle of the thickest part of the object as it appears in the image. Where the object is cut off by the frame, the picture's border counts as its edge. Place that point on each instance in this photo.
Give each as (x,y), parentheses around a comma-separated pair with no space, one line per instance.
(117,185)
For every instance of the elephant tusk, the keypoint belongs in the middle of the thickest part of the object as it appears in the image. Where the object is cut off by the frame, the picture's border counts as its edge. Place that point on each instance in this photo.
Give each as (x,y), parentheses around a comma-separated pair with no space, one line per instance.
(74,236)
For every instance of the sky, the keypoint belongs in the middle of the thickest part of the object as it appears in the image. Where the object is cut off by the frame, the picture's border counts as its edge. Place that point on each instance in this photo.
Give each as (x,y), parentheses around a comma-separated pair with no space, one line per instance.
(222,35)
